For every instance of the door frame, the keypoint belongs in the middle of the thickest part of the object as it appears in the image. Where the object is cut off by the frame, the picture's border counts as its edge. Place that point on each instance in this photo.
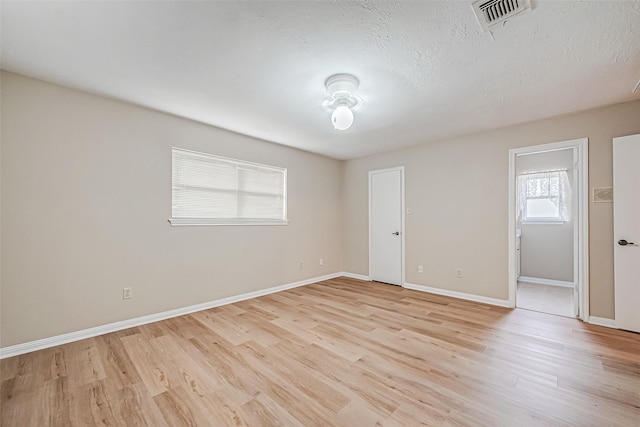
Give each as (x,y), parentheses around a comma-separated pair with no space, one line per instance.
(581,240)
(402,219)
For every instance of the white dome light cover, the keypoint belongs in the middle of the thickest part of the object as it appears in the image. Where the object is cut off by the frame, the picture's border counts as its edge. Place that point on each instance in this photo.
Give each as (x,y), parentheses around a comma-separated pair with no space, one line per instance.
(342,118)
(342,89)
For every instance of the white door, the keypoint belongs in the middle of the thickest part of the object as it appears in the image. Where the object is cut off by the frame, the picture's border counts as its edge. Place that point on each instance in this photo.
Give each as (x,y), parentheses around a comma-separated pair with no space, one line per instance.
(626,231)
(386,232)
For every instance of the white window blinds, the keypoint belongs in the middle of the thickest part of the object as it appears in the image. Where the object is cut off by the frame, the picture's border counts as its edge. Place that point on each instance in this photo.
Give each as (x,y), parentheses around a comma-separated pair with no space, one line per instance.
(208,189)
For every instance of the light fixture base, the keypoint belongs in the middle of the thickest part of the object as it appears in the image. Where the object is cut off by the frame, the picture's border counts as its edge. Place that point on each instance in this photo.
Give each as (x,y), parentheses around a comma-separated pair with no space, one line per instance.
(341,89)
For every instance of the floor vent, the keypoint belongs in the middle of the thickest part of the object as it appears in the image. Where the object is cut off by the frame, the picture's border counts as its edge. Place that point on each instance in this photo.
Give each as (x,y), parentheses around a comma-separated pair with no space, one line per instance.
(492,12)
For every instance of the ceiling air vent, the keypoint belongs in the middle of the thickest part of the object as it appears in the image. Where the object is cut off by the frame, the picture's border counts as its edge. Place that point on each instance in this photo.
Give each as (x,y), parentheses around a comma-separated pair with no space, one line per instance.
(492,12)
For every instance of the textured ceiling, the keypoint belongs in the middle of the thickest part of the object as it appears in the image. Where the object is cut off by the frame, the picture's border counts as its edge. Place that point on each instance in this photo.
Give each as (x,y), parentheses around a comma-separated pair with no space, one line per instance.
(427,70)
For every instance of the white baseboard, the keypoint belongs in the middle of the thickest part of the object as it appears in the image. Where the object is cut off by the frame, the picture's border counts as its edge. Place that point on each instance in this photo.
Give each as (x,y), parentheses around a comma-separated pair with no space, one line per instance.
(602,321)
(43,343)
(460,295)
(356,276)
(545,281)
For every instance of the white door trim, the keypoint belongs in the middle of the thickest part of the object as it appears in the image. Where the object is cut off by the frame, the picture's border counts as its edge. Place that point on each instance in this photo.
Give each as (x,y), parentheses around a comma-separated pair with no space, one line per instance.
(402,258)
(581,256)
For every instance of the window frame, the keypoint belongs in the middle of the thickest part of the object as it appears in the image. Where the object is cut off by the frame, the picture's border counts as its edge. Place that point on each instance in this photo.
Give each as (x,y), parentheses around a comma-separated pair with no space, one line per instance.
(539,219)
(212,221)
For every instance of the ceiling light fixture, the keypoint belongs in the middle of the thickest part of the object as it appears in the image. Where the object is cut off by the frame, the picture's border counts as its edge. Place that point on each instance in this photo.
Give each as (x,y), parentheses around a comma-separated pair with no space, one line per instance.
(342,89)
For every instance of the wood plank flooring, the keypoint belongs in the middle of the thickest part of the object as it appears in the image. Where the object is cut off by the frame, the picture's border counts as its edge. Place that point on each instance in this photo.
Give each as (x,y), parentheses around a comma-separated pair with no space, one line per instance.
(337,353)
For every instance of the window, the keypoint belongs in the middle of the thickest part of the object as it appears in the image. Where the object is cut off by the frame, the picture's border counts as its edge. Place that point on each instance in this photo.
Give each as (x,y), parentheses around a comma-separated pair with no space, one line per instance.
(544,196)
(212,190)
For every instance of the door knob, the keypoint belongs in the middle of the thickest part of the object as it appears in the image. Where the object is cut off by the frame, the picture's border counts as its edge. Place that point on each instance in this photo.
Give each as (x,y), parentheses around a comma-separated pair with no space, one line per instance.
(625,243)
(397,233)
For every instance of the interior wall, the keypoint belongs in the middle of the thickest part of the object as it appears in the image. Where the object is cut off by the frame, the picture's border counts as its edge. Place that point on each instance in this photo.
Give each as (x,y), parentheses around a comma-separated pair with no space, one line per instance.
(457,190)
(86,194)
(85,184)
(546,250)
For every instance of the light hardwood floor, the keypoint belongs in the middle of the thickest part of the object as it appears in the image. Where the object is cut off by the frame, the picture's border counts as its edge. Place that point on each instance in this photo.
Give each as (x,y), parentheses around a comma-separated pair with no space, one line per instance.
(337,353)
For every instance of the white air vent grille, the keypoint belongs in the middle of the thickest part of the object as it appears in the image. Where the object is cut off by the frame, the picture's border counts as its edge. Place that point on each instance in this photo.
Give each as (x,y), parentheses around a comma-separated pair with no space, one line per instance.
(493,12)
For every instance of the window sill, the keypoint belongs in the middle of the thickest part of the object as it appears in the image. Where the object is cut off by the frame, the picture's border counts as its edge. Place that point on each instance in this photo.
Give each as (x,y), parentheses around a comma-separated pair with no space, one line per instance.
(543,222)
(202,222)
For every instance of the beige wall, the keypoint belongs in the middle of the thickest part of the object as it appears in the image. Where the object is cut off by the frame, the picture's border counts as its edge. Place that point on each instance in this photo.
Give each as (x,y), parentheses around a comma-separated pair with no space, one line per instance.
(546,250)
(86,193)
(86,196)
(457,192)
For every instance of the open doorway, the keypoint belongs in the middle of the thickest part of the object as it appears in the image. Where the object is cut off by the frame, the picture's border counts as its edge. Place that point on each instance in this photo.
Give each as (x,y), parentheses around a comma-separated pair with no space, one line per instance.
(545,217)
(547,228)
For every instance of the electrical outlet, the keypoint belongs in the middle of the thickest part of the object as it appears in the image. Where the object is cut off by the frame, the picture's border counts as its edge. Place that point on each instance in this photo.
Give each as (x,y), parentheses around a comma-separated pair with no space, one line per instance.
(300,265)
(420,269)
(459,273)
(321,261)
(127,293)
